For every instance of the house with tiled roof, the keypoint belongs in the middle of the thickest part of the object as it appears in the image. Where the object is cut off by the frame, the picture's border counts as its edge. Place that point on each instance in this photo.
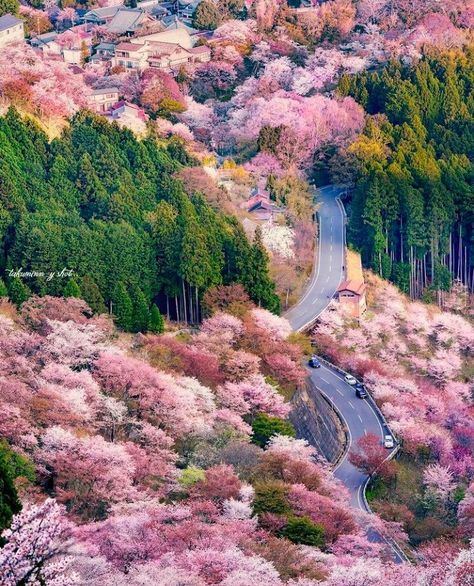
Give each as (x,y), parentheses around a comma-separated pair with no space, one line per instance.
(173,22)
(201,53)
(103,99)
(101,16)
(11,30)
(140,54)
(168,56)
(128,115)
(186,9)
(47,43)
(119,20)
(124,108)
(127,21)
(131,55)
(103,52)
(178,36)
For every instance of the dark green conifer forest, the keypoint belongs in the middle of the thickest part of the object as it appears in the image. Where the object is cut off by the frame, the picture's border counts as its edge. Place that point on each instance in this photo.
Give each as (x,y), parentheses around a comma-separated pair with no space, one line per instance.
(107,205)
(412,209)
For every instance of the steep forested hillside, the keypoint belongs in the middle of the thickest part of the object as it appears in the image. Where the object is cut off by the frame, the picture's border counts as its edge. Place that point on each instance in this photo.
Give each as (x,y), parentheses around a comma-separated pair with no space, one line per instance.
(412,210)
(107,206)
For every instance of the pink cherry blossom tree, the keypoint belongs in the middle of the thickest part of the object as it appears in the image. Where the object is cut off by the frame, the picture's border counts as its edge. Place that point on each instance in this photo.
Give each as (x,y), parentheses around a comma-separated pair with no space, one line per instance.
(439,480)
(35,547)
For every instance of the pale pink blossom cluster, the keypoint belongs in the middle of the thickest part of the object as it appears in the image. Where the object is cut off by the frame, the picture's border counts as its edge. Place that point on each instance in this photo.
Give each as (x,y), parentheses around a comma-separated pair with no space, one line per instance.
(278,240)
(439,480)
(34,548)
(309,122)
(278,327)
(239,32)
(34,83)
(252,395)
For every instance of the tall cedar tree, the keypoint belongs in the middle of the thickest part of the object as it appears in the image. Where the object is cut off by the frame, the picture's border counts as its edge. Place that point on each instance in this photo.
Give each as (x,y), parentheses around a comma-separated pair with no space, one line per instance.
(122,307)
(72,289)
(255,277)
(141,314)
(18,292)
(91,294)
(156,323)
(12,465)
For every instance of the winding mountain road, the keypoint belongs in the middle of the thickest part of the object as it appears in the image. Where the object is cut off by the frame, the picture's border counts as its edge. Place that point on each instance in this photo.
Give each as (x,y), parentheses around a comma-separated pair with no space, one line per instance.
(359,416)
(328,269)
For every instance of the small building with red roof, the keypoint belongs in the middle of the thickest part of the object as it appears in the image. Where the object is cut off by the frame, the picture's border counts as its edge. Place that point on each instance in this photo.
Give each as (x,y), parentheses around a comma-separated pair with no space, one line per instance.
(351,295)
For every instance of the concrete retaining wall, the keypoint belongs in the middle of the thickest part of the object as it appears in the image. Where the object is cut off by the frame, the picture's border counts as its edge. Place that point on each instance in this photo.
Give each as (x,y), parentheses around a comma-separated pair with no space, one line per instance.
(316,421)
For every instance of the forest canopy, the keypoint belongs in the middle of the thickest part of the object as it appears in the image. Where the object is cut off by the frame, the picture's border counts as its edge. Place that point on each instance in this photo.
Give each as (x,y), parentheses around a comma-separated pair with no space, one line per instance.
(412,209)
(107,206)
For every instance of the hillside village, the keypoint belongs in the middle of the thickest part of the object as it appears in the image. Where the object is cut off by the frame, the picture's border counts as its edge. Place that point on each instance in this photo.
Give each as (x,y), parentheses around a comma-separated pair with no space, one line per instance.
(117,38)
(236,293)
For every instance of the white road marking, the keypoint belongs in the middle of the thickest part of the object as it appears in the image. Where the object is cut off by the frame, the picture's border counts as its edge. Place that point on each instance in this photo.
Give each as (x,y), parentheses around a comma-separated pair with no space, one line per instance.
(351,405)
(360,418)
(340,392)
(325,380)
(313,287)
(365,431)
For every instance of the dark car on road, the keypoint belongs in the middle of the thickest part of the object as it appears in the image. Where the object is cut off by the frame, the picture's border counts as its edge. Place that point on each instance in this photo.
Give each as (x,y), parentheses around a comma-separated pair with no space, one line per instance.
(360,391)
(314,362)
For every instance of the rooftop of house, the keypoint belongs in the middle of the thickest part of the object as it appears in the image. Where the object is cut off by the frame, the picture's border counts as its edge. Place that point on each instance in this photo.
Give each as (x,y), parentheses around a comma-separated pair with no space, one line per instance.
(356,287)
(81,31)
(264,205)
(130,47)
(126,19)
(122,103)
(179,36)
(151,47)
(200,50)
(259,191)
(172,22)
(103,13)
(160,48)
(8,20)
(105,47)
(76,69)
(133,109)
(146,3)
(158,11)
(103,91)
(188,3)
(43,39)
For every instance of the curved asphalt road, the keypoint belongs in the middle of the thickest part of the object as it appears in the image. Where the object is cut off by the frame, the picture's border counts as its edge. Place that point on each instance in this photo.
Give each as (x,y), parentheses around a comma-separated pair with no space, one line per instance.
(359,415)
(328,272)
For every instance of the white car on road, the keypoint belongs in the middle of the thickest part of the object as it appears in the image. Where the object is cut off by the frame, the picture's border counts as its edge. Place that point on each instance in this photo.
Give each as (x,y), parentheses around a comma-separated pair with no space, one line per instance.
(350,380)
(388,441)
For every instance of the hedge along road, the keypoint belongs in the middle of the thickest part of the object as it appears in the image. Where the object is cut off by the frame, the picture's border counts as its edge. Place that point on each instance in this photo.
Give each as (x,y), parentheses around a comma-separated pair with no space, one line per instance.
(359,416)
